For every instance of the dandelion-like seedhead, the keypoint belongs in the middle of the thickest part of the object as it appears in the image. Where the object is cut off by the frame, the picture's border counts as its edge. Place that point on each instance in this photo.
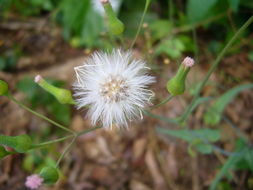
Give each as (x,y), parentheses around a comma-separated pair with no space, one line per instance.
(114,87)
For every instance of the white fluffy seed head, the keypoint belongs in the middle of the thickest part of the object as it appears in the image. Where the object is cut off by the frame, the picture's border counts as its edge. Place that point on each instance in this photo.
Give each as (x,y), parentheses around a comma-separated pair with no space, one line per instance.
(114,87)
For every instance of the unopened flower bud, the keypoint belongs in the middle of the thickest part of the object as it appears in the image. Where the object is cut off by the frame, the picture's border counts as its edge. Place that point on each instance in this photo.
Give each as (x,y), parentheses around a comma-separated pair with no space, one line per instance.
(115,26)
(3,88)
(188,62)
(62,95)
(21,143)
(50,175)
(33,181)
(176,85)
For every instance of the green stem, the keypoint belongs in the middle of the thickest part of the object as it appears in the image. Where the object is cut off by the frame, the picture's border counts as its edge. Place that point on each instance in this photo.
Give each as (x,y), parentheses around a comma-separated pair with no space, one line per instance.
(38,114)
(170,4)
(166,100)
(41,145)
(162,118)
(222,53)
(66,151)
(214,66)
(72,142)
(141,22)
(87,131)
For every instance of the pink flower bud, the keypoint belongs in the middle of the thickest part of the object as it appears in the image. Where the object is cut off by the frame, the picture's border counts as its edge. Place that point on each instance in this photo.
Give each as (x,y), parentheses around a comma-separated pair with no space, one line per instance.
(188,62)
(33,181)
(37,79)
(104,1)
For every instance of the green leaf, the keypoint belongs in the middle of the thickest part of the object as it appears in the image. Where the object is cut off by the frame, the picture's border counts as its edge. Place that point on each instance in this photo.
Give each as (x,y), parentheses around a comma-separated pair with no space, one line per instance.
(234,4)
(3,152)
(198,9)
(27,86)
(230,164)
(61,112)
(204,148)
(162,118)
(250,56)
(73,16)
(21,143)
(160,28)
(211,135)
(93,26)
(247,162)
(200,146)
(2,63)
(172,47)
(215,46)
(188,43)
(195,105)
(213,114)
(198,138)
(223,185)
(81,24)
(249,157)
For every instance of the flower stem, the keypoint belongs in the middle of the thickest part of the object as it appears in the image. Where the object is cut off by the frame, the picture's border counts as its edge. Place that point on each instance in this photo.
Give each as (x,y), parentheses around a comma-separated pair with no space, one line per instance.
(141,22)
(214,66)
(87,131)
(162,118)
(41,145)
(166,100)
(39,115)
(66,151)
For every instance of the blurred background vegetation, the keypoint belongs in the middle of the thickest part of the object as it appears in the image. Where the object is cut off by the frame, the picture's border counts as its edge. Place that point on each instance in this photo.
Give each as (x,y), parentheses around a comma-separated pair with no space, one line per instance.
(36,35)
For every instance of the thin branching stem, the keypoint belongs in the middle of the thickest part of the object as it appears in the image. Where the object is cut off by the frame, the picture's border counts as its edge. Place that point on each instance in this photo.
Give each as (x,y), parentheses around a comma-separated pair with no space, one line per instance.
(166,100)
(66,150)
(88,130)
(38,114)
(41,145)
(141,22)
(214,66)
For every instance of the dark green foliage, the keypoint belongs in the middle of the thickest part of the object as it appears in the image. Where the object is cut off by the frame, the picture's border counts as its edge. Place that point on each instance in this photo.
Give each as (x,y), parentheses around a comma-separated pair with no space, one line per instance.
(28,7)
(80,22)
(21,143)
(9,59)
(214,112)
(199,139)
(240,160)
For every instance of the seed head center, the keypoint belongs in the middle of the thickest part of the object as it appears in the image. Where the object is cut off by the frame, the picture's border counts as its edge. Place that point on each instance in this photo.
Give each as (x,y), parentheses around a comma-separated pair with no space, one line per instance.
(114,89)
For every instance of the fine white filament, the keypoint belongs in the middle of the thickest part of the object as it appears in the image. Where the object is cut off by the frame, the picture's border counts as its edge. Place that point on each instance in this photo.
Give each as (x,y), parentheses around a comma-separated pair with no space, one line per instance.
(114,88)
